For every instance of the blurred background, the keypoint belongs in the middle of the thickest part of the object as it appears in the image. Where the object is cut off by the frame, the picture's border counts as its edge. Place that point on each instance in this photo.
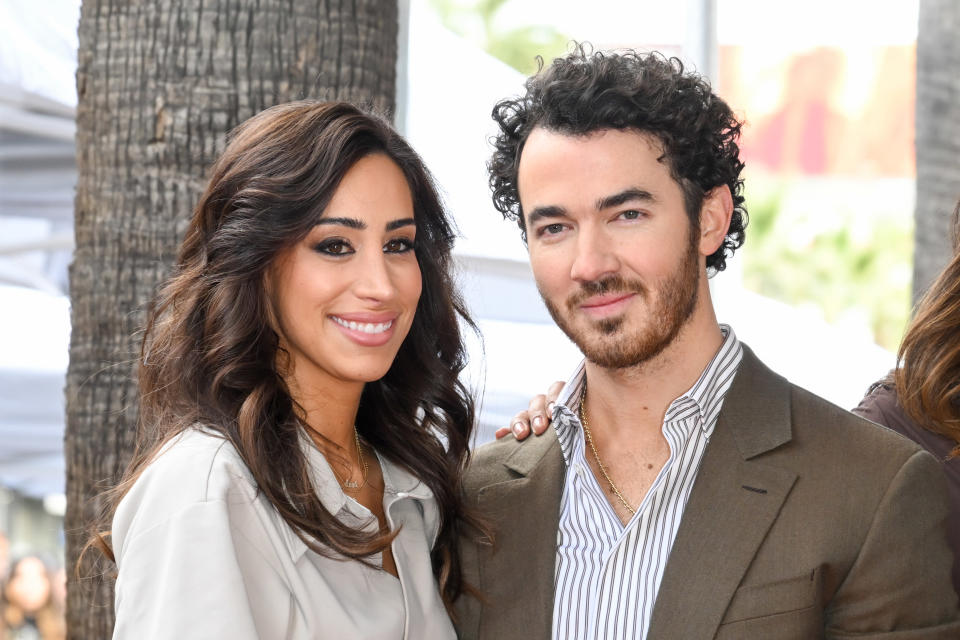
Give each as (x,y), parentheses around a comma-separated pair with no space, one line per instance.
(821,290)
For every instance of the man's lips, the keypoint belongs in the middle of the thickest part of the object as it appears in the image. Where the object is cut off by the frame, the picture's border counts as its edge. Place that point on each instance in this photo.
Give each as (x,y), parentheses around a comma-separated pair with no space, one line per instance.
(606,305)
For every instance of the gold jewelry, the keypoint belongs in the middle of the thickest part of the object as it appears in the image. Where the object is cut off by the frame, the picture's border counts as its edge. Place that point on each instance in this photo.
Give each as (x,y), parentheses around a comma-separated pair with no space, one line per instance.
(603,470)
(348,483)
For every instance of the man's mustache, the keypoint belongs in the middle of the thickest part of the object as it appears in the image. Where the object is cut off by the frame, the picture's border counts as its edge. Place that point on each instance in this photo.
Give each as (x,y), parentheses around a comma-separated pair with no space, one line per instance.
(613,284)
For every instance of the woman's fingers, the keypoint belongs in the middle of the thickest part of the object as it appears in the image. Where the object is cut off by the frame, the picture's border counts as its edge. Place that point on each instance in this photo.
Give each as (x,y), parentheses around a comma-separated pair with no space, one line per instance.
(537,413)
(540,409)
(536,418)
(519,426)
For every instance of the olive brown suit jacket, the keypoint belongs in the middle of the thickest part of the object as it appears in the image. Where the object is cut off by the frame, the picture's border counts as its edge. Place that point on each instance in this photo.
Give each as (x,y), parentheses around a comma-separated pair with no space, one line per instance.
(805,521)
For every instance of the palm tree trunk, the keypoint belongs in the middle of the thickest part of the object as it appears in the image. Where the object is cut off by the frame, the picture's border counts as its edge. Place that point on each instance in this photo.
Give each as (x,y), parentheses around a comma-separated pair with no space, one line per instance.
(938,137)
(160,83)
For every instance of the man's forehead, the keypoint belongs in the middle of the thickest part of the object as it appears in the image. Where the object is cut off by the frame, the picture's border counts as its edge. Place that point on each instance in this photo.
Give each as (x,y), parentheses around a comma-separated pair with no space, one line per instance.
(595,165)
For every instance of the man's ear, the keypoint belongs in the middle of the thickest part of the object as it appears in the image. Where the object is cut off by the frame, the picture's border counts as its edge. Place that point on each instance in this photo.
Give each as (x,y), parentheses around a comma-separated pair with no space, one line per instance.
(715,214)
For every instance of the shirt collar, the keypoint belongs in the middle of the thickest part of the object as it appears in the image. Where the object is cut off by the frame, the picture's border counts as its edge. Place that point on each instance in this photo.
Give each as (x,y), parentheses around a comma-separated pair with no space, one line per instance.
(706,395)
(704,399)
(396,479)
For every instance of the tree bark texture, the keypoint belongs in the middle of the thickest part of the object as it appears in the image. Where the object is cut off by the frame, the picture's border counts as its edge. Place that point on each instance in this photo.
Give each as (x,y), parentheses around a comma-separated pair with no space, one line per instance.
(938,137)
(160,83)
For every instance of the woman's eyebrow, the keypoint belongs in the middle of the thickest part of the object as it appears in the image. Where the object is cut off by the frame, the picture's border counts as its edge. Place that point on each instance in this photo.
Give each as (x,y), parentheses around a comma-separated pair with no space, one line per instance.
(353,223)
(402,222)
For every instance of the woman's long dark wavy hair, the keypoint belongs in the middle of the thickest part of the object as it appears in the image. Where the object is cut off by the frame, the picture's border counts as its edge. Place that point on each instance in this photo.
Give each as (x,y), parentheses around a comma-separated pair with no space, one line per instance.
(927,378)
(588,91)
(209,355)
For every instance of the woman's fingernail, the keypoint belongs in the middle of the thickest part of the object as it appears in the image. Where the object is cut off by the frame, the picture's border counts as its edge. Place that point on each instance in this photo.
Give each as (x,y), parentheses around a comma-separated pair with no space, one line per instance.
(518,429)
(538,422)
(550,406)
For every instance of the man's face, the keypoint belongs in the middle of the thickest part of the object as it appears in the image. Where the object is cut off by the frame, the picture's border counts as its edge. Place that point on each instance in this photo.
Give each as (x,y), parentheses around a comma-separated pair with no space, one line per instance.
(611,247)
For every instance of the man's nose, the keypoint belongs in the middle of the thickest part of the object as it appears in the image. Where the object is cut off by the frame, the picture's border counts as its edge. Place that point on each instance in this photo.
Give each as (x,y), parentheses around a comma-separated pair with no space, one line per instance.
(595,257)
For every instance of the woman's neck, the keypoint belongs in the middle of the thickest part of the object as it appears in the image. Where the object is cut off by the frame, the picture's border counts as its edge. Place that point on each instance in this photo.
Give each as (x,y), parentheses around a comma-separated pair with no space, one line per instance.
(329,412)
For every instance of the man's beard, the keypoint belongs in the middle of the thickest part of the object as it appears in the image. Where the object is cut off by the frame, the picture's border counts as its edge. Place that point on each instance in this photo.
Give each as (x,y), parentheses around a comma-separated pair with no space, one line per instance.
(614,348)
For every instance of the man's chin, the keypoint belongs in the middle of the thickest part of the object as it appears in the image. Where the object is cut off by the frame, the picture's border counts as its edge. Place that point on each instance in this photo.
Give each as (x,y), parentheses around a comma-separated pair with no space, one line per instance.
(621,353)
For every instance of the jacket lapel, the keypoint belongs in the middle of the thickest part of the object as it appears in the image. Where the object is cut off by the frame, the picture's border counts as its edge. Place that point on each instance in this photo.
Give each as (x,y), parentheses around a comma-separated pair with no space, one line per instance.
(517,576)
(733,504)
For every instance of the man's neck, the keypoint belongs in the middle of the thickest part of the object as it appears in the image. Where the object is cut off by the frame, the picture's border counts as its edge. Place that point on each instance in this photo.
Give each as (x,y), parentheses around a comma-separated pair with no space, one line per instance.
(638,397)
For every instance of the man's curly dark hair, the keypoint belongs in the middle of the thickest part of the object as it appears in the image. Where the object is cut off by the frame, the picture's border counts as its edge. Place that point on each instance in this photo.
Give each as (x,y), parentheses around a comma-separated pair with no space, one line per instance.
(587,91)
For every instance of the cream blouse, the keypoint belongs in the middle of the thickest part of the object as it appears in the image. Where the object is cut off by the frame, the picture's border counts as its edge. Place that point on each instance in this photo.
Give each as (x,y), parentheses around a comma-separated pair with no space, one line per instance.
(202,555)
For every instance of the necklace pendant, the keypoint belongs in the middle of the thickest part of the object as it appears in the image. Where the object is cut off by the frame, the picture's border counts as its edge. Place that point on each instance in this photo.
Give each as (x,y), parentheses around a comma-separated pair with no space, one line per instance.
(350,484)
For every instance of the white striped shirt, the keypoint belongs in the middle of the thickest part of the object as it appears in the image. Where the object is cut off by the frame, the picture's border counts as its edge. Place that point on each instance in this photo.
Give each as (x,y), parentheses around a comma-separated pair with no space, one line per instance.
(608,574)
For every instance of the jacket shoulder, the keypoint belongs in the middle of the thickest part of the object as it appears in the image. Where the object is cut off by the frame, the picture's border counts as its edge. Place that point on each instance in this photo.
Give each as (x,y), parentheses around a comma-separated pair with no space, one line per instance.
(507,459)
(814,417)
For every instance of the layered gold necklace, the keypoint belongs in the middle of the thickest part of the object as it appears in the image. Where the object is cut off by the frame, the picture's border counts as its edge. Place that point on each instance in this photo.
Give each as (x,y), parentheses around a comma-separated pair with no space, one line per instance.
(603,469)
(362,461)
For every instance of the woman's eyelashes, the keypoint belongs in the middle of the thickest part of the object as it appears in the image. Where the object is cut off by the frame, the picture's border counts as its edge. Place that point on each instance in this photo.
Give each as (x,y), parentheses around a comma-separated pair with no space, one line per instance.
(400,245)
(333,247)
(341,247)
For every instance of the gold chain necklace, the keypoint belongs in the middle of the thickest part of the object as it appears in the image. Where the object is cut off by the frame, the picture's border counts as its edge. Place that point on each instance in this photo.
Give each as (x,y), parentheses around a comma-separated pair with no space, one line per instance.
(603,469)
(348,483)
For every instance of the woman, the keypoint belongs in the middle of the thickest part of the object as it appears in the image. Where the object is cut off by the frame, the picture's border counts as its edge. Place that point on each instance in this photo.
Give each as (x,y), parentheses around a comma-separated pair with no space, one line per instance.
(29,609)
(920,399)
(302,428)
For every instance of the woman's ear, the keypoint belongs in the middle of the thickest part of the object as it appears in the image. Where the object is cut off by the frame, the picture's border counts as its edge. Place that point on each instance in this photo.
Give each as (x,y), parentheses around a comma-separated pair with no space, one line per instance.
(715,214)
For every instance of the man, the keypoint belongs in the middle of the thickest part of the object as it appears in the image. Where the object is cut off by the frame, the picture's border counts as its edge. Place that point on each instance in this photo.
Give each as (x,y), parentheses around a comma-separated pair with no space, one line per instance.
(685,491)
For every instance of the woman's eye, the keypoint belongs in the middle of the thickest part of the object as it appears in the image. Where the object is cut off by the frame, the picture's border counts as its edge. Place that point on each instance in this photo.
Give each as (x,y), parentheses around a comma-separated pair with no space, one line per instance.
(333,247)
(399,245)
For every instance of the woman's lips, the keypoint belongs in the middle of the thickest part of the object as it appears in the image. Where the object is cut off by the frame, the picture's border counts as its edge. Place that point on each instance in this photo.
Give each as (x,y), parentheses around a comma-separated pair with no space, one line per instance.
(366,330)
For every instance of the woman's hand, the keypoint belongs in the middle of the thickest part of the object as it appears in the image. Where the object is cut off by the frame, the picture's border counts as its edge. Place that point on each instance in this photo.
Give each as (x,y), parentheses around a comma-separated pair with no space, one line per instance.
(538,414)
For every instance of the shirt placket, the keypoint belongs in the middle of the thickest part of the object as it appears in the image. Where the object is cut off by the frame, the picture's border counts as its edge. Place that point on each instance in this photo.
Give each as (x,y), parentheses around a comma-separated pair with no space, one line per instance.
(614,561)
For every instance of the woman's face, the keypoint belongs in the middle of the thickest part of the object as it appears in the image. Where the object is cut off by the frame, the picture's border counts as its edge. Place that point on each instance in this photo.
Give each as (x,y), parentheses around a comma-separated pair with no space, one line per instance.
(344,297)
(29,586)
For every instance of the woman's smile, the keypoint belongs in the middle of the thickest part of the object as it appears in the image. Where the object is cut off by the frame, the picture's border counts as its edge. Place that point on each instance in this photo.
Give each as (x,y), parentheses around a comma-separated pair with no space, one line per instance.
(364,331)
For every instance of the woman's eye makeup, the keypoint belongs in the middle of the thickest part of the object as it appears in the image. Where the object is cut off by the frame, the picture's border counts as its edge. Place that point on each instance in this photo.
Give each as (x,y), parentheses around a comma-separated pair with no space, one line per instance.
(333,247)
(400,245)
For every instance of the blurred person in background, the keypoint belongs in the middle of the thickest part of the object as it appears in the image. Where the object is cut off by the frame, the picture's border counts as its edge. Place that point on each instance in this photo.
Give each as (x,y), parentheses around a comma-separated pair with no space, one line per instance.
(29,609)
(920,399)
(4,557)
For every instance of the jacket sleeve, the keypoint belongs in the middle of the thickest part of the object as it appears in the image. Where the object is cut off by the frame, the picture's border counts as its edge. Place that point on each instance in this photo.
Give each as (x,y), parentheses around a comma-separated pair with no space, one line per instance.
(899,586)
(195,575)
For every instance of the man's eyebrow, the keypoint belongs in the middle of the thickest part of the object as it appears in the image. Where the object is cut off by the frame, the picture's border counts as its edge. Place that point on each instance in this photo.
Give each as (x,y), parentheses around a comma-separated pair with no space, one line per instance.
(625,196)
(402,222)
(352,223)
(551,211)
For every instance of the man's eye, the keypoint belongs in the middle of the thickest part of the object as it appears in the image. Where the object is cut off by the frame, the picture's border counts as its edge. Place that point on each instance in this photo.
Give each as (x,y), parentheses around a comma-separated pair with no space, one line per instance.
(333,247)
(553,228)
(399,245)
(630,214)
